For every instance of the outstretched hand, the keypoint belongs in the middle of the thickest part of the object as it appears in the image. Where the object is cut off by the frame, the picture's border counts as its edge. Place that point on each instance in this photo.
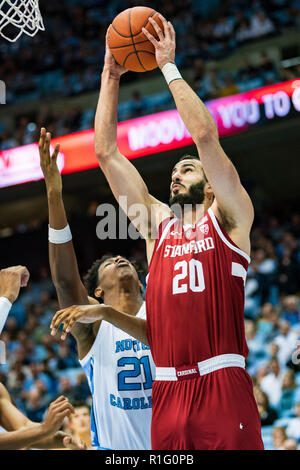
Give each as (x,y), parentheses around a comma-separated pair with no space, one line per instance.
(69,316)
(49,162)
(165,45)
(57,411)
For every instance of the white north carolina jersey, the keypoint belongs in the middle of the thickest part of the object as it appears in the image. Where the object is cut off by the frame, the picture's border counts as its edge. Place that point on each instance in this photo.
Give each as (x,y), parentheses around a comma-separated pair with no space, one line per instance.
(120,372)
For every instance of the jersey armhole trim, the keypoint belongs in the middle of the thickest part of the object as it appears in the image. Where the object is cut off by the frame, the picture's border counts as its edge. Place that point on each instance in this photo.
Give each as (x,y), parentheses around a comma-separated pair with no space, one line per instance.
(165,231)
(224,239)
(85,359)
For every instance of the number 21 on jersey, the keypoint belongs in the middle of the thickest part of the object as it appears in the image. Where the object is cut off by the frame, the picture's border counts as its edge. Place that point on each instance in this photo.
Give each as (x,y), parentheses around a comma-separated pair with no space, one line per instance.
(190,276)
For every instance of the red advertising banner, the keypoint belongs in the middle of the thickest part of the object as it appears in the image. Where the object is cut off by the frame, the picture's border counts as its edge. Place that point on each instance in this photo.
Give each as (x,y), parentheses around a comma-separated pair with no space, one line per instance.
(155,133)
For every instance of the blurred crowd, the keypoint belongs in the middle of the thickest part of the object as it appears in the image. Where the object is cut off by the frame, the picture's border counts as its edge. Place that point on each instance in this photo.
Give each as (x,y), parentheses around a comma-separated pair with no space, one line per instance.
(40,367)
(67,58)
(272,326)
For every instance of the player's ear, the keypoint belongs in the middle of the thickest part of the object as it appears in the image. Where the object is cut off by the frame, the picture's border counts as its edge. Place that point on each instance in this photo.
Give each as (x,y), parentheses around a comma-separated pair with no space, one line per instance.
(208,191)
(99,293)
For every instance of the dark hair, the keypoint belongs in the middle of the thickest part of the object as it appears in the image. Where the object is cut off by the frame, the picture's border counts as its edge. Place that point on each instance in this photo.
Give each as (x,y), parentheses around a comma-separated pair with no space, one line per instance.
(91,278)
(81,404)
(187,156)
(266,398)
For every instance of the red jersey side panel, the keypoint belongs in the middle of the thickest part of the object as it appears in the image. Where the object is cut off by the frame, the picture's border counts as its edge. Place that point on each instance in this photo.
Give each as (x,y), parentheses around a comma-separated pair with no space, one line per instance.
(195,294)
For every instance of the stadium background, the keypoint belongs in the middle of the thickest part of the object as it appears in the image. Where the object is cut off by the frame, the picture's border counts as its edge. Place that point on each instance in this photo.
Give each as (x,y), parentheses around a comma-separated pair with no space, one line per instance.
(52,80)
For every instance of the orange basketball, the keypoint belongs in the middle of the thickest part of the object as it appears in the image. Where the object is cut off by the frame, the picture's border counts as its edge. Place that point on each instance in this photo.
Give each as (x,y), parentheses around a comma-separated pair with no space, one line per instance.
(127,42)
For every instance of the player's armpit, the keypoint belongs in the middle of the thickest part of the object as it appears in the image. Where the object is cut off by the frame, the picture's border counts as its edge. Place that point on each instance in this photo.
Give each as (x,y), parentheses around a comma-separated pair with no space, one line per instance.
(71,294)
(86,333)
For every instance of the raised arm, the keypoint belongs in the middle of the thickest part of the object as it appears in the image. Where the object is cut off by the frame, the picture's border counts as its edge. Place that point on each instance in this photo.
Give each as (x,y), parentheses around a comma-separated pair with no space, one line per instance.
(231,199)
(122,176)
(63,262)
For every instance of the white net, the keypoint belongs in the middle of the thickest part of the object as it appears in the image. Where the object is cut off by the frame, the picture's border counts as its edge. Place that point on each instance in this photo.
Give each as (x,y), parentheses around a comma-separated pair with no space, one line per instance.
(19,16)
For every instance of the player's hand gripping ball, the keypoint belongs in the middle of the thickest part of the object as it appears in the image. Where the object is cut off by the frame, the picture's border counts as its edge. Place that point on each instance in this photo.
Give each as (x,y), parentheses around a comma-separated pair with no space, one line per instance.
(128,44)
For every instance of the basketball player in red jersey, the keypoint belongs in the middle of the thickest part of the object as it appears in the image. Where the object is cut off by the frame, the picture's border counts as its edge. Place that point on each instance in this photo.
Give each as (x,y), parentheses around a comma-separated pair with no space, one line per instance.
(202,396)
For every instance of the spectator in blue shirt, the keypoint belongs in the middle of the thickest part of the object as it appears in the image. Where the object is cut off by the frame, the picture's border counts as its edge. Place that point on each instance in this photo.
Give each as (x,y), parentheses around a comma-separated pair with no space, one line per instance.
(291,312)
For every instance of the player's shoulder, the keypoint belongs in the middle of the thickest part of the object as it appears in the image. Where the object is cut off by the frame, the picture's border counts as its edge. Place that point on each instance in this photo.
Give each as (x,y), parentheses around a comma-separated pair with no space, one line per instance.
(159,211)
(4,395)
(236,236)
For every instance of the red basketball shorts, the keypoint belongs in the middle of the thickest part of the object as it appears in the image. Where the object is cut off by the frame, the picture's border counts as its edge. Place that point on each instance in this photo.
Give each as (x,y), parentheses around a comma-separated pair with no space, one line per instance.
(215,411)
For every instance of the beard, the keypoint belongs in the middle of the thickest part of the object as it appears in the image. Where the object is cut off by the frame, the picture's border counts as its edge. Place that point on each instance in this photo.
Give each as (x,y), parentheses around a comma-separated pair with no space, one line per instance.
(195,195)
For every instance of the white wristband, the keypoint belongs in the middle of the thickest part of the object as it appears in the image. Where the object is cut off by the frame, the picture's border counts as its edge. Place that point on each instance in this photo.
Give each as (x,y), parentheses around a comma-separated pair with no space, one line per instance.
(59,236)
(5,306)
(171,72)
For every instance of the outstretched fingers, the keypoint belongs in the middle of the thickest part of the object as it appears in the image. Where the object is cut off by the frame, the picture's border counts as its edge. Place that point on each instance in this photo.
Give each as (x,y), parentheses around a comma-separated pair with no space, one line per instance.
(165,23)
(67,317)
(172,31)
(47,143)
(58,400)
(59,318)
(68,325)
(158,30)
(55,153)
(64,406)
(42,138)
(150,37)
(44,158)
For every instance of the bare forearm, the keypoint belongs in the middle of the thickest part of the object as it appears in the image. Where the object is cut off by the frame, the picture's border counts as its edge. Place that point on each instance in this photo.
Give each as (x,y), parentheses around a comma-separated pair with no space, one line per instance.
(132,325)
(63,263)
(193,112)
(54,441)
(57,213)
(107,115)
(23,438)
(199,122)
(61,255)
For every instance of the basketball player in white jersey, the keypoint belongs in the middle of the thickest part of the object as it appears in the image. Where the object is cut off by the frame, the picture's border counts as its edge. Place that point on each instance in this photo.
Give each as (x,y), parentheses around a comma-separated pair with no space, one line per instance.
(119,369)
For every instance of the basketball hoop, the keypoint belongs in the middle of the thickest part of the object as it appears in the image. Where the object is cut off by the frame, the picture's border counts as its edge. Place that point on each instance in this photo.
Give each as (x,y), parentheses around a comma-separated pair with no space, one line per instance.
(19,16)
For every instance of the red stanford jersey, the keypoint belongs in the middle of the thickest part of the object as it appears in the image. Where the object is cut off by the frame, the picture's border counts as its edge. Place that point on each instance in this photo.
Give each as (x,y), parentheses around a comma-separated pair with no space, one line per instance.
(195,293)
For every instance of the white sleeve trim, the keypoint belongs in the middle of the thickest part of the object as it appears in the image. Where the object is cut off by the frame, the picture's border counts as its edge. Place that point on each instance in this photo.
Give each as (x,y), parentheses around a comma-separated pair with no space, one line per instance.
(224,239)
(5,306)
(165,231)
(85,359)
(239,271)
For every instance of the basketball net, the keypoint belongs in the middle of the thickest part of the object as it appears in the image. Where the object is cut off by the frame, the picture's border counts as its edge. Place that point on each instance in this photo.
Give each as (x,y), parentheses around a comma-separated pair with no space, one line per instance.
(20,16)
